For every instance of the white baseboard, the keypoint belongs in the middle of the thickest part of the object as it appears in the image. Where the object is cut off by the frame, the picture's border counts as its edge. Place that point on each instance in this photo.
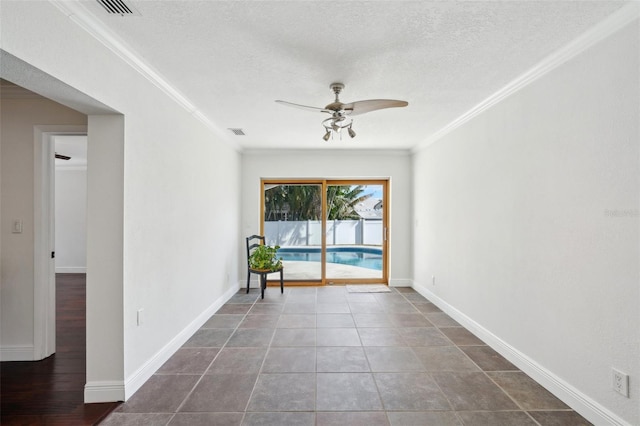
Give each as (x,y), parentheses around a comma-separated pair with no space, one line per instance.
(253,283)
(243,284)
(103,391)
(581,403)
(142,374)
(400,282)
(17,353)
(71,269)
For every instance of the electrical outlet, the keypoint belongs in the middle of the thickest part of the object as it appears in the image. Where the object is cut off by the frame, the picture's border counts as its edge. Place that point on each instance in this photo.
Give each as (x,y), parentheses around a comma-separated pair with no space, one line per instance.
(433,280)
(620,382)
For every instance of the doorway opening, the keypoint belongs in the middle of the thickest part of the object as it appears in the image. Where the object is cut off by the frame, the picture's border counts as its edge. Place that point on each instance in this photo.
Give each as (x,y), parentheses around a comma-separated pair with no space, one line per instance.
(70,200)
(329,231)
(44,231)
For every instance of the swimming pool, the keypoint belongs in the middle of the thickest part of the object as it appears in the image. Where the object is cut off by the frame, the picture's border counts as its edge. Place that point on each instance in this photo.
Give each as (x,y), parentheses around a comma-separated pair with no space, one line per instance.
(364,257)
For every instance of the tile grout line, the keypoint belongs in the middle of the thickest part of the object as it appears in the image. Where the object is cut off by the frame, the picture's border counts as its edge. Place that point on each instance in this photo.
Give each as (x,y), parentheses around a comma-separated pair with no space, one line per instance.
(214,358)
(268,349)
(487,375)
(431,375)
(373,377)
(457,346)
(397,325)
(512,398)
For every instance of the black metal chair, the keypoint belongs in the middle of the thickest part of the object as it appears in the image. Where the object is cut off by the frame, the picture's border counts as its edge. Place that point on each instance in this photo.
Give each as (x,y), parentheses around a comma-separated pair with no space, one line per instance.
(253,242)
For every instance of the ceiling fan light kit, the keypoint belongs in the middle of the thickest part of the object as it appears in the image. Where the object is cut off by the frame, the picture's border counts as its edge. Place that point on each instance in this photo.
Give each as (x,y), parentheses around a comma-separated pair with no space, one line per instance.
(334,124)
(341,113)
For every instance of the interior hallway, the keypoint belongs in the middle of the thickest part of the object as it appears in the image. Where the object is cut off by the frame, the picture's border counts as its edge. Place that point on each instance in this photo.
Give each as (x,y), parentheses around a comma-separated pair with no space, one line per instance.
(324,356)
(51,391)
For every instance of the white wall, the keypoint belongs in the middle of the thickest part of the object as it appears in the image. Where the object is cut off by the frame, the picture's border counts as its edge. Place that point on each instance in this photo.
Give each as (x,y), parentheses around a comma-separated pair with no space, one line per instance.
(106,355)
(71,223)
(342,164)
(162,180)
(17,120)
(527,216)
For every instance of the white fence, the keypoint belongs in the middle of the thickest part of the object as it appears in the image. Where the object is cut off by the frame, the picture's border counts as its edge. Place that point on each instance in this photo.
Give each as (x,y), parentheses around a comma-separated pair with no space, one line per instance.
(309,232)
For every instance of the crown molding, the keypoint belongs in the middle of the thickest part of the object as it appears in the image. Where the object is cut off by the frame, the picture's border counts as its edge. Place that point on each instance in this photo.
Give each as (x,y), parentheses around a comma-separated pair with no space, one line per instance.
(76,12)
(614,22)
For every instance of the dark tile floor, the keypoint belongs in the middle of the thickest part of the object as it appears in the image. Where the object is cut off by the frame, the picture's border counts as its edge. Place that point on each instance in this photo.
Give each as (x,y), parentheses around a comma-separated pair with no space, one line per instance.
(323,356)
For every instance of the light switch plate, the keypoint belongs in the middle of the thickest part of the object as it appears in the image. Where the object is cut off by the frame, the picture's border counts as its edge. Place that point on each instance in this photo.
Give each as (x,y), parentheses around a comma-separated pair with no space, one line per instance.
(16,226)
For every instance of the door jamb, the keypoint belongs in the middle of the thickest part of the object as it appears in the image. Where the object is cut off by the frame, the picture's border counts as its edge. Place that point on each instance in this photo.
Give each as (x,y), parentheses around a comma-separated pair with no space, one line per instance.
(44,288)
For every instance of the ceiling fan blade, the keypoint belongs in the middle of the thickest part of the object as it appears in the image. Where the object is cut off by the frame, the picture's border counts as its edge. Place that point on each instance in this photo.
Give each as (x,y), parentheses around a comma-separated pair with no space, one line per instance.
(309,108)
(360,107)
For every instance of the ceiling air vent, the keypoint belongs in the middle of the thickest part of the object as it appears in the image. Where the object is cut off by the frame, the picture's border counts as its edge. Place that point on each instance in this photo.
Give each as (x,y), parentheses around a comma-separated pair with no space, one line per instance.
(118,7)
(237,132)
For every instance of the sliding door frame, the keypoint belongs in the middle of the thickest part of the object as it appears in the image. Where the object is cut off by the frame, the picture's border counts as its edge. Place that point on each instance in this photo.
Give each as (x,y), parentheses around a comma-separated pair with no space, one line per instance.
(324,183)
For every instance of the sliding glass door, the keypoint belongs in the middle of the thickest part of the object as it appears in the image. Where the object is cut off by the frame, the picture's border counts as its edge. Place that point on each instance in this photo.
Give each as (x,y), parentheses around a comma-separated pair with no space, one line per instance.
(355,232)
(293,221)
(329,231)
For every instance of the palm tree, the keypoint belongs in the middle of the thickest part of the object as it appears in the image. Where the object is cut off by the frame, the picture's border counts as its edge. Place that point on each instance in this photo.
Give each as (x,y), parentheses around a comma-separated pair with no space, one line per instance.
(342,201)
(304,202)
(293,202)
(275,204)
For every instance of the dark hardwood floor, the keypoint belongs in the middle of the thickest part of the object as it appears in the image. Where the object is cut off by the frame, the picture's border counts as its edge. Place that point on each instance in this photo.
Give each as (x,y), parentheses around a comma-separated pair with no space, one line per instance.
(51,391)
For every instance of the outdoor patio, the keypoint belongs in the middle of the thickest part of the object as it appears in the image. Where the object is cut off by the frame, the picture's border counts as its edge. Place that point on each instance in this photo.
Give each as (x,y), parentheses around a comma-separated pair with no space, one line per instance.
(294,270)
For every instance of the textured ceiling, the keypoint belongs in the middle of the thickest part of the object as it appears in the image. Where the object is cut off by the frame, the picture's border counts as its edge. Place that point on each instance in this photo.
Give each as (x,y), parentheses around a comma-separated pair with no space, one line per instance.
(232,59)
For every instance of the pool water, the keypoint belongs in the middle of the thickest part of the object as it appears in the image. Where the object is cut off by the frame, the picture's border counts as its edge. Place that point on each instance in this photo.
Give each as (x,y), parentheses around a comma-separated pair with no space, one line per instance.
(364,257)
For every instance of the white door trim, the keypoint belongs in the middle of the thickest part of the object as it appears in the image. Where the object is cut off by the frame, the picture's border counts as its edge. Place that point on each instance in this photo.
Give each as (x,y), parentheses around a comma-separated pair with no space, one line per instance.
(44,285)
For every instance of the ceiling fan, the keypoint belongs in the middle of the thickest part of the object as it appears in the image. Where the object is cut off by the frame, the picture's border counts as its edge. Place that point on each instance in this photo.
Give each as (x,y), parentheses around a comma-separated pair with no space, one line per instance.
(341,113)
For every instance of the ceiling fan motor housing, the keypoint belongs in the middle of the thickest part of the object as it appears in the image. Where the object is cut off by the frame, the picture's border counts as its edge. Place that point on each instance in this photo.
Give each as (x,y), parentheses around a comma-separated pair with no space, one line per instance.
(336,105)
